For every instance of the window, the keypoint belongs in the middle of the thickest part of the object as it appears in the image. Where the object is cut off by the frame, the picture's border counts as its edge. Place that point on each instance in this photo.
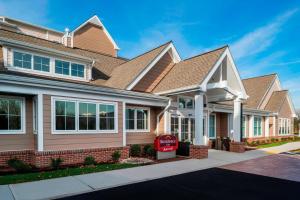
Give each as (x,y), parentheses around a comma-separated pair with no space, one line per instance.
(185,102)
(87,116)
(130,119)
(41,63)
(192,128)
(76,116)
(11,115)
(184,129)
(174,126)
(244,126)
(107,117)
(62,67)
(284,126)
(212,126)
(137,119)
(77,70)
(257,126)
(65,115)
(22,60)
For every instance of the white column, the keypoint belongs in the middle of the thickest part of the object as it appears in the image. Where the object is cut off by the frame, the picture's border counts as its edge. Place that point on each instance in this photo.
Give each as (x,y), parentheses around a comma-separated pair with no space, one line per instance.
(251,123)
(124,123)
(237,120)
(267,131)
(199,138)
(40,123)
(274,126)
(167,128)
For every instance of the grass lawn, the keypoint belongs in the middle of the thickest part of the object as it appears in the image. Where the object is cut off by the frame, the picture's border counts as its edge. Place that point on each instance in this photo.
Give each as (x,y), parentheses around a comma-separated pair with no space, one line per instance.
(20,178)
(272,144)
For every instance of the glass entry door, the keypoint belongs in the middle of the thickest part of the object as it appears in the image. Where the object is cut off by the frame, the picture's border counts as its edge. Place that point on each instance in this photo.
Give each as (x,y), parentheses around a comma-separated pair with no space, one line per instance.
(183,128)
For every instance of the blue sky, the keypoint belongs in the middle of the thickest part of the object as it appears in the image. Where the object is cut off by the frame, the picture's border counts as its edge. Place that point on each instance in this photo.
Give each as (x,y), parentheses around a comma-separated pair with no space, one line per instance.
(263,37)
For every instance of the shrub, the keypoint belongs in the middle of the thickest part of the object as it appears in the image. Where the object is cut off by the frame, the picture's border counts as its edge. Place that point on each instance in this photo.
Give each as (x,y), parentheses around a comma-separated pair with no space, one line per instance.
(273,140)
(253,143)
(135,150)
(146,147)
(150,151)
(56,162)
(116,156)
(257,142)
(89,160)
(19,165)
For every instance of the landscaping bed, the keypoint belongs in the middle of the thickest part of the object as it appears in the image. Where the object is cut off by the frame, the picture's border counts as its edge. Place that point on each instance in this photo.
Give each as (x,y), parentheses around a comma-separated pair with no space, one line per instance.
(259,144)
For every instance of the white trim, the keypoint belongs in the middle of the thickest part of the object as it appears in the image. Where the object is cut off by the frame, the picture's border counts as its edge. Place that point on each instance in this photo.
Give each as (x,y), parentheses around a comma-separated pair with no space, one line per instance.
(261,126)
(124,124)
(95,20)
(23,116)
(176,59)
(135,130)
(77,131)
(40,127)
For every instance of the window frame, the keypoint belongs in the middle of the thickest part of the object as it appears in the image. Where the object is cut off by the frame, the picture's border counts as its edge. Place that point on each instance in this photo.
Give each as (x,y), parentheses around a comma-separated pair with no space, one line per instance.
(284,127)
(244,128)
(77,131)
(261,127)
(135,130)
(23,116)
(51,72)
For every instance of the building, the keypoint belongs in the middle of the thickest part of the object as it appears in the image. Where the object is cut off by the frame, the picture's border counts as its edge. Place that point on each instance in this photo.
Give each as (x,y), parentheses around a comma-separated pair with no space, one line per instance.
(68,94)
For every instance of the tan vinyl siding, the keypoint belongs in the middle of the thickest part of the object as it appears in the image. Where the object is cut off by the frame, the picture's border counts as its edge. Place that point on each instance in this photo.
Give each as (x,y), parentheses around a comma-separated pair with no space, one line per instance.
(15,142)
(1,58)
(154,76)
(79,141)
(144,137)
(93,38)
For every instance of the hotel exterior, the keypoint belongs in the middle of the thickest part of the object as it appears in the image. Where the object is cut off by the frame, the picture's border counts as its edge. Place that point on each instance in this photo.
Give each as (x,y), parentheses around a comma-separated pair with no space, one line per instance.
(69,94)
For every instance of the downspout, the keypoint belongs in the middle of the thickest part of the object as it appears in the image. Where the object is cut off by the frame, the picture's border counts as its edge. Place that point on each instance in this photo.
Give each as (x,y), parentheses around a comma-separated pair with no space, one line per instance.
(158,116)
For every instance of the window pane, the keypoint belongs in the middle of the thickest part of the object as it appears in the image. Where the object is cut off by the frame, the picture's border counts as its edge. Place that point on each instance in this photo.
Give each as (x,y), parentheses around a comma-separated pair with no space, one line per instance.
(3,106)
(106,115)
(70,123)
(41,63)
(83,123)
(70,108)
(60,123)
(15,122)
(142,119)
(212,130)
(62,67)
(190,103)
(87,116)
(181,103)
(60,107)
(77,70)
(22,60)
(14,107)
(3,122)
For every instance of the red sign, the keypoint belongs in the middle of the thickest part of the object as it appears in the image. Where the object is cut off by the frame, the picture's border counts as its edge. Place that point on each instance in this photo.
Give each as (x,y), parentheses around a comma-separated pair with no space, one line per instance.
(166,143)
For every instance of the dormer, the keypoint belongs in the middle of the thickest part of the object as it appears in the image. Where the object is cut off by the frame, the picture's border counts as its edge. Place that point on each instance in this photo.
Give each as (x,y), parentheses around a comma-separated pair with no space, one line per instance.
(92,35)
(52,65)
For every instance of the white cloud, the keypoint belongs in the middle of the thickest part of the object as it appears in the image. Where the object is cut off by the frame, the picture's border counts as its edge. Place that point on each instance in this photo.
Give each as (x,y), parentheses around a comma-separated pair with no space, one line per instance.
(34,11)
(261,38)
(158,34)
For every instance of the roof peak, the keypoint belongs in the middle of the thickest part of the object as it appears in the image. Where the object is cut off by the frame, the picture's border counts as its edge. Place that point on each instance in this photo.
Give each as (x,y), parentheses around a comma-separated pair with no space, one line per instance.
(207,52)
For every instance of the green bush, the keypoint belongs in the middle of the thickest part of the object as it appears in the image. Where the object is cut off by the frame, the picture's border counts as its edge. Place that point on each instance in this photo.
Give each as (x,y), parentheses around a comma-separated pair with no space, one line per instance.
(89,160)
(56,162)
(19,165)
(135,150)
(150,151)
(273,140)
(146,147)
(116,156)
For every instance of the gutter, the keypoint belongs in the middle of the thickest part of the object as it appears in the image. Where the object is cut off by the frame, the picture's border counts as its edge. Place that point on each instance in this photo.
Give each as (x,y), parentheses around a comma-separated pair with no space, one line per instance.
(158,116)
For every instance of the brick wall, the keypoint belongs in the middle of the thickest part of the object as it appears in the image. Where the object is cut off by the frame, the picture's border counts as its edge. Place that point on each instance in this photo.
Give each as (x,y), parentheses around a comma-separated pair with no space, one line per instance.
(237,147)
(70,157)
(198,151)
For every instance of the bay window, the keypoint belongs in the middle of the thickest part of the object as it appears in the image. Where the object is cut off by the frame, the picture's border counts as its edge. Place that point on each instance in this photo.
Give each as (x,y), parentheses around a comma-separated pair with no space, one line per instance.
(257,126)
(76,116)
(11,115)
(137,119)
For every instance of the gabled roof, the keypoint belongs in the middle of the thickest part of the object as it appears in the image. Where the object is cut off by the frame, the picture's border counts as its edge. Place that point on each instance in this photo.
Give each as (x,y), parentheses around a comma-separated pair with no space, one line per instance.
(190,72)
(256,88)
(276,101)
(96,21)
(124,74)
(104,63)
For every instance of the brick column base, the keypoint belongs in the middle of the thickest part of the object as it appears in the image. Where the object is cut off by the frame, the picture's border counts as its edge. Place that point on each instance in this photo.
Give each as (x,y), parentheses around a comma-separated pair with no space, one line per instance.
(198,151)
(237,147)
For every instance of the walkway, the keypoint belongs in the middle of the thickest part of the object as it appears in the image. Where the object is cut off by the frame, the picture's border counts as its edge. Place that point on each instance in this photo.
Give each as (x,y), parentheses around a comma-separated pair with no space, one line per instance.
(72,185)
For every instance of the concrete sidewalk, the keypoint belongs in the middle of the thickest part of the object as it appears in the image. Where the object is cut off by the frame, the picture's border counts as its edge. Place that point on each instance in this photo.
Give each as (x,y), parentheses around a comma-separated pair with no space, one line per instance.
(66,186)
(282,148)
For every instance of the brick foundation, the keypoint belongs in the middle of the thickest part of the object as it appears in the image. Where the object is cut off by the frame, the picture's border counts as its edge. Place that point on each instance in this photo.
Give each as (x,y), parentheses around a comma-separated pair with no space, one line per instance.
(237,147)
(198,151)
(70,157)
